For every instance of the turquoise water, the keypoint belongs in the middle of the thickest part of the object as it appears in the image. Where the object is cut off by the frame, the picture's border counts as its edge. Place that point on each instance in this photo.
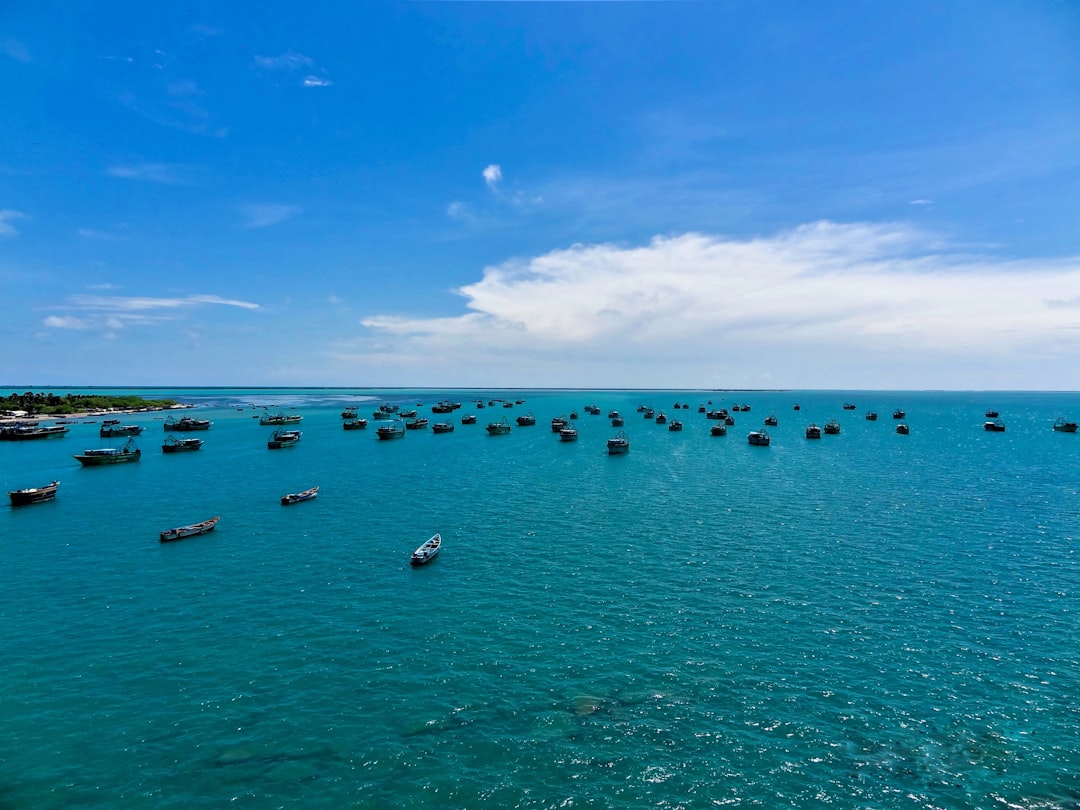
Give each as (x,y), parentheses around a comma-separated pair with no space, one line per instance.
(865,621)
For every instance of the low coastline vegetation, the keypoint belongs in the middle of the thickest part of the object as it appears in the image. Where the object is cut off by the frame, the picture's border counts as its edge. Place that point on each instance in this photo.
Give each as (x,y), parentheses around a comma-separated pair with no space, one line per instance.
(41,403)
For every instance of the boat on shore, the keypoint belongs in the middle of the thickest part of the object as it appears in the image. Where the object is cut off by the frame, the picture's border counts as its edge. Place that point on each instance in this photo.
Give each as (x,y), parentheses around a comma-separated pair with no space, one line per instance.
(23,497)
(428,551)
(1063,426)
(180,532)
(618,444)
(186,423)
(186,445)
(297,497)
(102,456)
(283,438)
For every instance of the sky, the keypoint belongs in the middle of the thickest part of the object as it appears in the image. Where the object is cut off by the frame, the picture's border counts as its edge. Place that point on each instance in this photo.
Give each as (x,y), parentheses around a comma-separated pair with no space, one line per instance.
(675,195)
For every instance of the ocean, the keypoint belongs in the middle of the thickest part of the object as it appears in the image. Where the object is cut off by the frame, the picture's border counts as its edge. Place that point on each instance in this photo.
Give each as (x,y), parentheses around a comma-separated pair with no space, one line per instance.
(866,621)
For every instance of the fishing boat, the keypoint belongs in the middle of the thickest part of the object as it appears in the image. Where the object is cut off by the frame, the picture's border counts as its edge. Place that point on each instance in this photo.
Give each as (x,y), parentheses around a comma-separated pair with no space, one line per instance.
(442,427)
(109,431)
(903,429)
(832,428)
(22,497)
(617,421)
(849,406)
(813,432)
(186,423)
(526,421)
(568,433)
(283,438)
(351,412)
(358,423)
(992,414)
(797,407)
(280,418)
(675,425)
(442,407)
(758,438)
(618,444)
(994,426)
(296,497)
(558,423)
(771,421)
(718,430)
(871,416)
(898,414)
(661,418)
(194,529)
(498,428)
(416,423)
(24,432)
(101,456)
(1063,426)
(391,430)
(468,419)
(428,551)
(186,445)
(729,420)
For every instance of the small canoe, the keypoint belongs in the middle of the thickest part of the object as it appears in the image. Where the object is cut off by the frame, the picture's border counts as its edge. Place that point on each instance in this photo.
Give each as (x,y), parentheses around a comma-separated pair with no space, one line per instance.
(428,551)
(194,529)
(297,497)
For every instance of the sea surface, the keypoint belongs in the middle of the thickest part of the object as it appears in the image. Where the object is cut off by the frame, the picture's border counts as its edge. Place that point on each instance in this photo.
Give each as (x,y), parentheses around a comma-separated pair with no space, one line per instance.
(866,621)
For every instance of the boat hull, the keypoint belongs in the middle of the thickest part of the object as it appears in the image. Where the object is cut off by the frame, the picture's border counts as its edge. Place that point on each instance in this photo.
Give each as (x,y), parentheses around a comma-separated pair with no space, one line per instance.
(25,497)
(194,530)
(102,461)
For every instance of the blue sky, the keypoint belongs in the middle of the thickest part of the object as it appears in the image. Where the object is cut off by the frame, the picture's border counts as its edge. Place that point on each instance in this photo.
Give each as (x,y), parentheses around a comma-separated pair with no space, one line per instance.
(785,194)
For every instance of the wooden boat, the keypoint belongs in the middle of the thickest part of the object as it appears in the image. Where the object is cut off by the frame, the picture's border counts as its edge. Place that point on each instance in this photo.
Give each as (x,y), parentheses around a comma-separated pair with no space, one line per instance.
(832,428)
(992,414)
(617,421)
(849,406)
(498,428)
(280,418)
(101,456)
(994,426)
(186,445)
(428,551)
(729,420)
(442,407)
(618,444)
(758,438)
(771,421)
(391,430)
(296,497)
(797,407)
(407,415)
(468,419)
(22,497)
(718,430)
(283,438)
(527,420)
(661,418)
(186,423)
(648,413)
(898,414)
(194,529)
(350,413)
(813,432)
(1064,427)
(871,416)
(903,429)
(416,423)
(354,424)
(108,431)
(558,423)
(24,432)
(613,414)
(442,427)
(568,433)
(675,425)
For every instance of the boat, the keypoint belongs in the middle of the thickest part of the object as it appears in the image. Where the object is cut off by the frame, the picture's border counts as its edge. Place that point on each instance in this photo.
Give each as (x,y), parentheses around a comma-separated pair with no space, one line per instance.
(23,432)
(903,429)
(283,438)
(612,414)
(1064,427)
(101,456)
(442,427)
(391,430)
(701,409)
(193,530)
(729,420)
(568,433)
(389,407)
(871,416)
(407,415)
(498,428)
(759,438)
(617,421)
(675,424)
(185,445)
(428,551)
(648,413)
(992,414)
(592,409)
(280,418)
(718,430)
(109,431)
(771,421)
(442,407)
(22,497)
(416,423)
(898,414)
(350,413)
(797,407)
(618,444)
(813,432)
(526,421)
(187,423)
(849,406)
(359,423)
(558,423)
(468,419)
(573,415)
(832,428)
(661,418)
(994,426)
(296,497)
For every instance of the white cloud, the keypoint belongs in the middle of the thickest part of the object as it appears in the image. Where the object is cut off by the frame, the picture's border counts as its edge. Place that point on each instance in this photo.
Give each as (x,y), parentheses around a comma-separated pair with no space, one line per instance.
(111,314)
(64,322)
(458,210)
(265,215)
(290,60)
(15,49)
(921,202)
(149,172)
(813,294)
(6,218)
(493,176)
(92,233)
(315,81)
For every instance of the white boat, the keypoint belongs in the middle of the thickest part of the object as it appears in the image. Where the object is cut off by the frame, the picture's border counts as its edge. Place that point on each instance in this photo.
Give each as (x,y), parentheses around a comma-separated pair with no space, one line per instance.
(428,551)
(296,497)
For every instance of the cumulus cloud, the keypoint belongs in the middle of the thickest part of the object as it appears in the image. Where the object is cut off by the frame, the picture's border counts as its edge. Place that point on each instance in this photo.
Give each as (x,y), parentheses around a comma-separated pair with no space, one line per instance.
(826,285)
(265,215)
(6,218)
(493,176)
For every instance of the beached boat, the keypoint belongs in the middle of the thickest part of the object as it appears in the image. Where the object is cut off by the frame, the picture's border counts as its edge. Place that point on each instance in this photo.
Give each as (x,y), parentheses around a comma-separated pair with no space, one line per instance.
(528,420)
(283,438)
(110,431)
(758,438)
(771,421)
(903,429)
(186,423)
(468,419)
(358,423)
(832,428)
(994,426)
(442,427)
(718,430)
(280,418)
(186,445)
(296,497)
(498,428)
(813,431)
(22,497)
(193,530)
(101,456)
(24,432)
(618,444)
(428,551)
(391,430)
(568,433)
